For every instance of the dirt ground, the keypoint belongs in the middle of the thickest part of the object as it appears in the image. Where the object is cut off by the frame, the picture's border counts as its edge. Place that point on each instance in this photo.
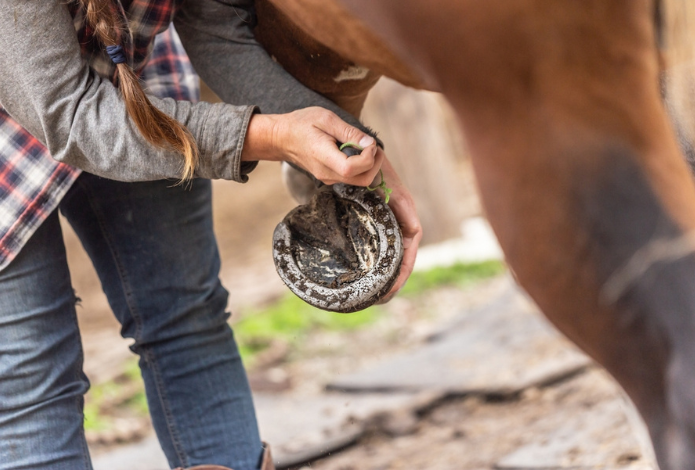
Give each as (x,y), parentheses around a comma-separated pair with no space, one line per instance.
(457,432)
(475,432)
(454,433)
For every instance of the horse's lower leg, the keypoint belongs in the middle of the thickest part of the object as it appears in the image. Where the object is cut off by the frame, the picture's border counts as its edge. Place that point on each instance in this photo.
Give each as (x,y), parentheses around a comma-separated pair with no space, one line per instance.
(580,175)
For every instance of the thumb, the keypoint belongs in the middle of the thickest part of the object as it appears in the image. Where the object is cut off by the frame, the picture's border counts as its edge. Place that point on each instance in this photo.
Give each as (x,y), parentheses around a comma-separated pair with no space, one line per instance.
(344,132)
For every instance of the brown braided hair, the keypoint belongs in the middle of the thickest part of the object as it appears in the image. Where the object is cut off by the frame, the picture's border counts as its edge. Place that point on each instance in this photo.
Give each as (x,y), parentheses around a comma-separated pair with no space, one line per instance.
(155,126)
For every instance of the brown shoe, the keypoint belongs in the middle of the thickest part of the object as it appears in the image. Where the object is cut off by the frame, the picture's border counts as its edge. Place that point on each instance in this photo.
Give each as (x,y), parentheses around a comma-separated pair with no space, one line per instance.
(266,464)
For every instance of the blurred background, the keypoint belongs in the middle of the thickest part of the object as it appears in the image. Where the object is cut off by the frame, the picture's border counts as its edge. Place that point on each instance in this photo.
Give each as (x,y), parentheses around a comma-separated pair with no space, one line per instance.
(459,371)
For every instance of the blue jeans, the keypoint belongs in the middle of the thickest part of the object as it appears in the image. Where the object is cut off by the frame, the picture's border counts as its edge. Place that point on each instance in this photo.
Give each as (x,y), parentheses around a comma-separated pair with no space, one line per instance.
(154,250)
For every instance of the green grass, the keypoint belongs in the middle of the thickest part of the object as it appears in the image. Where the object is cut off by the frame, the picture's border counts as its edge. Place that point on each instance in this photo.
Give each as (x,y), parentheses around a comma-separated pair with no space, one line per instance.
(96,415)
(94,419)
(460,275)
(138,403)
(291,319)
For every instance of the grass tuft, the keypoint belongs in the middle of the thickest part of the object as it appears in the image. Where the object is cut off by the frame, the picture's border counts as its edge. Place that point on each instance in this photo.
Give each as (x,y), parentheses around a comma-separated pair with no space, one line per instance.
(291,319)
(125,393)
(460,275)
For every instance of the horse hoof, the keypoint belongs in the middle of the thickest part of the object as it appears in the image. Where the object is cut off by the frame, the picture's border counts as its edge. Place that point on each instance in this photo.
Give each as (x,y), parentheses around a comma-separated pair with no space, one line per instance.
(342,252)
(300,186)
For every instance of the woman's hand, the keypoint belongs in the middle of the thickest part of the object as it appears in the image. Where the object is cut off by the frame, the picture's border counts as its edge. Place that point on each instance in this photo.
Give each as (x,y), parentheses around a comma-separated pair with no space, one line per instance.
(403,207)
(307,138)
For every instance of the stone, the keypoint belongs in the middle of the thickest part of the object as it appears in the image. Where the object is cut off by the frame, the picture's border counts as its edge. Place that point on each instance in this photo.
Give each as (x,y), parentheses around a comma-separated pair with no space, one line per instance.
(301,428)
(399,423)
(499,349)
(599,437)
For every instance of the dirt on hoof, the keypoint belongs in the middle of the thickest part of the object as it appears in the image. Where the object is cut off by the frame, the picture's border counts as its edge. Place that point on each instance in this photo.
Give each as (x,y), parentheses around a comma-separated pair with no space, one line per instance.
(342,251)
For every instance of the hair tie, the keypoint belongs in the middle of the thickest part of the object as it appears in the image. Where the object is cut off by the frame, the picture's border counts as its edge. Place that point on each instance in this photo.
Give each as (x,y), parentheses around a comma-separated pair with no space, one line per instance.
(116,53)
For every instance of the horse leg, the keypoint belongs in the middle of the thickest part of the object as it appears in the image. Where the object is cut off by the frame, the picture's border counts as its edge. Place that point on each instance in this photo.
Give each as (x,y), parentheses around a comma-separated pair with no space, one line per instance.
(580,175)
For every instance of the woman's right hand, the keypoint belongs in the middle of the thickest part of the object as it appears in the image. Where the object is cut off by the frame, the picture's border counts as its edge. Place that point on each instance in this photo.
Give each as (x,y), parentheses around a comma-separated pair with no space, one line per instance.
(307,138)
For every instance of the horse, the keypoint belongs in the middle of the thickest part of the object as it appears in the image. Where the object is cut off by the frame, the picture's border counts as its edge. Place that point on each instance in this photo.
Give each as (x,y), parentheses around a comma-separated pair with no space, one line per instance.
(578,164)
(321,46)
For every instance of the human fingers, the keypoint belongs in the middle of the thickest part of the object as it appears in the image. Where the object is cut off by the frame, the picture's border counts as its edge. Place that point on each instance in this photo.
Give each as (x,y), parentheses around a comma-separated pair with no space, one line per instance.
(412,234)
(358,170)
(358,166)
(333,125)
(308,137)
(371,173)
(403,207)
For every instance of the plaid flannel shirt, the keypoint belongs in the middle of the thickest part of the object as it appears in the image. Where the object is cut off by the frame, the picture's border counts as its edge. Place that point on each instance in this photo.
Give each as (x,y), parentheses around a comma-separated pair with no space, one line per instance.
(32,184)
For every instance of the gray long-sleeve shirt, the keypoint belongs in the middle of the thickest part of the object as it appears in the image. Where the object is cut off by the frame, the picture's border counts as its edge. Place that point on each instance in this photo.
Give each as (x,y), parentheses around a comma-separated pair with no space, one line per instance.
(218,36)
(48,88)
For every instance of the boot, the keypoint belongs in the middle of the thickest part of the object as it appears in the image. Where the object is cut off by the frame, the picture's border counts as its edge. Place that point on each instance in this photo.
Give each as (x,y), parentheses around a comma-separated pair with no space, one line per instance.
(266,464)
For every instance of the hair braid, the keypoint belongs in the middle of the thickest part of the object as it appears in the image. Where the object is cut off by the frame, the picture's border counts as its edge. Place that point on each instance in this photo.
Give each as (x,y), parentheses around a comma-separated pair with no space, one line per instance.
(155,126)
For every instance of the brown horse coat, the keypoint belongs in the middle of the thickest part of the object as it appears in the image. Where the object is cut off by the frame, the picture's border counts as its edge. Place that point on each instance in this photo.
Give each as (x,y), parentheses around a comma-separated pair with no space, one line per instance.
(328,50)
(580,175)
(579,171)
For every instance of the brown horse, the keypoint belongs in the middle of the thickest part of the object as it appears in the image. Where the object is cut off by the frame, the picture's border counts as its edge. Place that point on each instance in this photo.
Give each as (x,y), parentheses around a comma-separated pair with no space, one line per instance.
(578,166)
(321,45)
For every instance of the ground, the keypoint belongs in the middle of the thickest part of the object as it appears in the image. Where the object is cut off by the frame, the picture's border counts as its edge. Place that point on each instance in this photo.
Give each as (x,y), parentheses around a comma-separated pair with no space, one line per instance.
(475,432)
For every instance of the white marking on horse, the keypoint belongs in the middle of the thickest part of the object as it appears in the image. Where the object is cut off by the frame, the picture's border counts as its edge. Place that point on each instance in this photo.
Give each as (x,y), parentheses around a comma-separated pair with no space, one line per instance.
(657,251)
(354,72)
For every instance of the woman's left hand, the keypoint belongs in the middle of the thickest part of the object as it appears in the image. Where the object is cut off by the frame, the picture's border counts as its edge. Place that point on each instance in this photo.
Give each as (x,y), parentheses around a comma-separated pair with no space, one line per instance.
(403,207)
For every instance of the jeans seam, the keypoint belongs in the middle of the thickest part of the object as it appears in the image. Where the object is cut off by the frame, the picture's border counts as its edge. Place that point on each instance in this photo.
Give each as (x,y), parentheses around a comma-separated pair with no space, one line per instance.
(169,416)
(80,402)
(78,377)
(171,426)
(83,437)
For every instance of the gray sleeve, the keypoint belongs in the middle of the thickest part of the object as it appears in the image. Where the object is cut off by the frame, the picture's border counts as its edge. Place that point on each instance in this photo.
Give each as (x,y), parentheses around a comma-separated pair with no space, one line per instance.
(218,37)
(48,88)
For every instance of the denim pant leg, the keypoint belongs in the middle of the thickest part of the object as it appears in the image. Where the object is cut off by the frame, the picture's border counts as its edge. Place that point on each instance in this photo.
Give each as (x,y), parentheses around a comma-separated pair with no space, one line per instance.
(153,247)
(41,379)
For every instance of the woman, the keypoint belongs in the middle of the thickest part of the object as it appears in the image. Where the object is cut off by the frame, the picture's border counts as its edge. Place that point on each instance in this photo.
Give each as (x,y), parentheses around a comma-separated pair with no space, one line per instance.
(150,240)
